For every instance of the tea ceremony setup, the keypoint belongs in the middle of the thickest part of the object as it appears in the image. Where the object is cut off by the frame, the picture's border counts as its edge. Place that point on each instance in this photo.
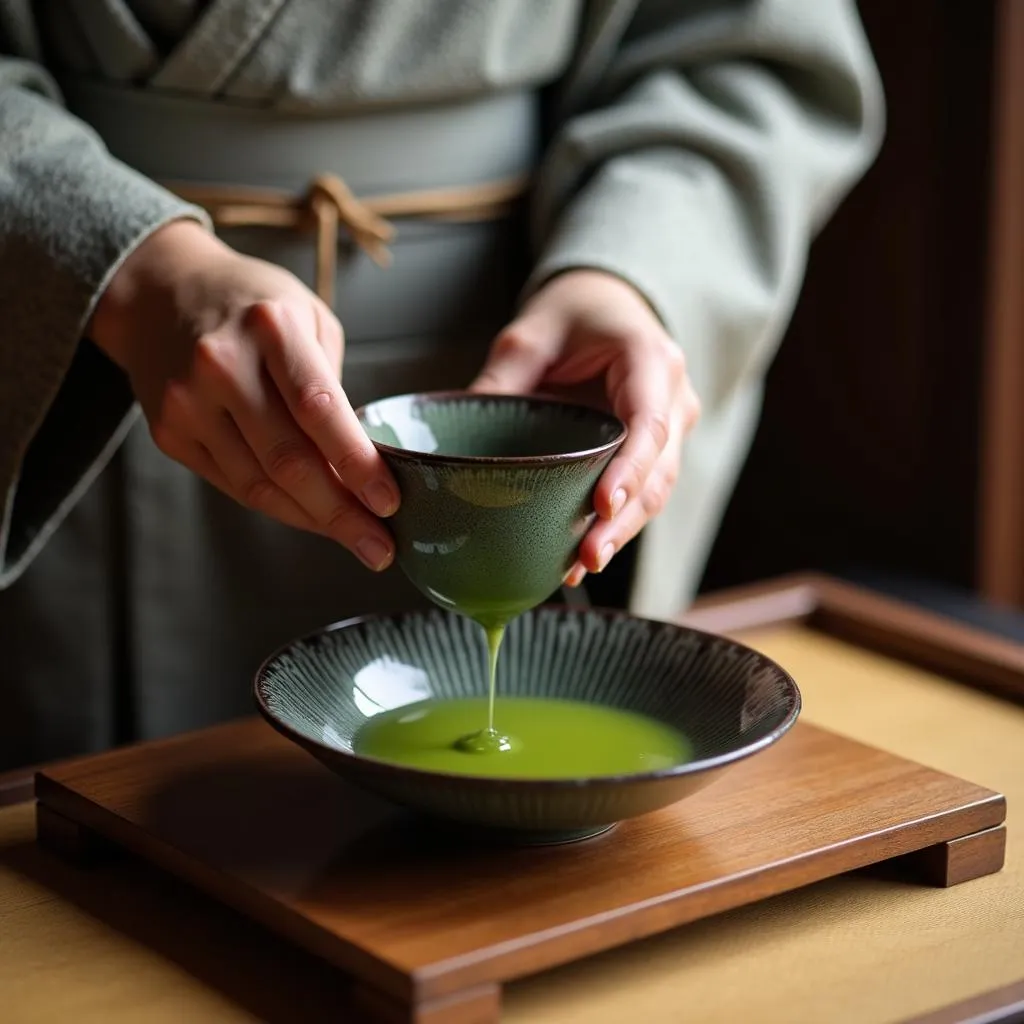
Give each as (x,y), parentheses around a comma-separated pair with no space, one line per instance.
(511,512)
(503,808)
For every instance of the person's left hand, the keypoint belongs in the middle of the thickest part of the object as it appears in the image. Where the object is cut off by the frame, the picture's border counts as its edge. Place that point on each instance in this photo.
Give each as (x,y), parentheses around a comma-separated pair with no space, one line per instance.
(587,329)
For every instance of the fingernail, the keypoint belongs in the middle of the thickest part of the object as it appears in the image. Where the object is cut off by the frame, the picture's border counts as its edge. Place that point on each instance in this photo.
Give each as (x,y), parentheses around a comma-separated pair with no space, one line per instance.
(605,556)
(618,500)
(574,577)
(374,554)
(381,498)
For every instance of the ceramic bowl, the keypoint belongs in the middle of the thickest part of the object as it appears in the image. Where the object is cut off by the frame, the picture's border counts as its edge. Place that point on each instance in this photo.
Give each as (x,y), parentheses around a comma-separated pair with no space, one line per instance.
(731,701)
(496,493)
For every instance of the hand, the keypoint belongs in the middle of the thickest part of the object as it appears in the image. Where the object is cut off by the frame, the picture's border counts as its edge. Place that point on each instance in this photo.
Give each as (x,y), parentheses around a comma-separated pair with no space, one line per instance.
(236,365)
(586,328)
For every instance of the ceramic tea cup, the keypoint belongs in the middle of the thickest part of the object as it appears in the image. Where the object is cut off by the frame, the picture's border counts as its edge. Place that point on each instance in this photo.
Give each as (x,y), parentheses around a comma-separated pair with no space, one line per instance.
(497,493)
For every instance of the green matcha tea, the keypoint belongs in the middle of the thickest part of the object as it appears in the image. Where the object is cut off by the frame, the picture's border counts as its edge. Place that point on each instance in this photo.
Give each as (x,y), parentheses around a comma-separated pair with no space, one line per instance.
(489,740)
(535,738)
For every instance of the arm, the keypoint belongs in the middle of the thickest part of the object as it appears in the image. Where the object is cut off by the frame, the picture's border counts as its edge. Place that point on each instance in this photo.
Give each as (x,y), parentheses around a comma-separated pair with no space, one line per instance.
(70,215)
(233,362)
(695,156)
(699,160)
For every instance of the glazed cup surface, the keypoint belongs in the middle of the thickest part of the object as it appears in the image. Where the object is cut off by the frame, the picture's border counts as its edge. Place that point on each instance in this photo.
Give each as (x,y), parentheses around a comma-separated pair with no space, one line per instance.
(497,493)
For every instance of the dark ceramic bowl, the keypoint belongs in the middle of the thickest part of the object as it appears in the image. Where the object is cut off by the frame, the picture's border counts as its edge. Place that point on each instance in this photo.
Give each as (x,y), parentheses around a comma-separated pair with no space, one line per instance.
(731,702)
(497,492)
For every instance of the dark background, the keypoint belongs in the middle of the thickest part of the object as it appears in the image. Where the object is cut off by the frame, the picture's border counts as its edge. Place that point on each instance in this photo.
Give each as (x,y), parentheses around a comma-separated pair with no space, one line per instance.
(867,457)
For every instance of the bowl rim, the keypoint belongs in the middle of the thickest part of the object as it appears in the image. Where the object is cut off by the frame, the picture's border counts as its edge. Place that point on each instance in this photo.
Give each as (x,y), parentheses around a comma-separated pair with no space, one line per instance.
(390,768)
(535,399)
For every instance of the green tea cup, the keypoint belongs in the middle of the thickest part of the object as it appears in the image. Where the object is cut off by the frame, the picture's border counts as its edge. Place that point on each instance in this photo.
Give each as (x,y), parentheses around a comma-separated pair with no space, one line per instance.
(497,493)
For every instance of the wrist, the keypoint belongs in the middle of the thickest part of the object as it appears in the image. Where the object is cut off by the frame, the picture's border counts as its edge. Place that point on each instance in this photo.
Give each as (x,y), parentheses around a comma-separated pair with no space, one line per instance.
(141,285)
(582,280)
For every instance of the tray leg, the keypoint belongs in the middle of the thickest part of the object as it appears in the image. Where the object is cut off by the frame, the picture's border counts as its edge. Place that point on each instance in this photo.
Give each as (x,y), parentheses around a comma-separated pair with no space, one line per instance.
(959,860)
(479,1005)
(69,840)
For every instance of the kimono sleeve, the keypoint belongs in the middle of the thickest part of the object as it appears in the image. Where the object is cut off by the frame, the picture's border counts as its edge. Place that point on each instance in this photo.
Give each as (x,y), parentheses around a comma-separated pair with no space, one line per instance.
(697,150)
(70,214)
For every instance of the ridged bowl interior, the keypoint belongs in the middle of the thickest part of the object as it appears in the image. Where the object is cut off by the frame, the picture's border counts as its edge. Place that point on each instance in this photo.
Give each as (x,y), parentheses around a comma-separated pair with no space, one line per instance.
(729,700)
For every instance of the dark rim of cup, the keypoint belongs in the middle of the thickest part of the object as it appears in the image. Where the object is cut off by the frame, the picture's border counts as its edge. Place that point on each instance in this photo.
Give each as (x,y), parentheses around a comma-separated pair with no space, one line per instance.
(504,460)
(705,764)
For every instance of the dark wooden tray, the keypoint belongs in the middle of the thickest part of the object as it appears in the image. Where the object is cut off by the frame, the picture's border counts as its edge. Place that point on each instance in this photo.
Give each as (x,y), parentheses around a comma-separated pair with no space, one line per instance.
(430,928)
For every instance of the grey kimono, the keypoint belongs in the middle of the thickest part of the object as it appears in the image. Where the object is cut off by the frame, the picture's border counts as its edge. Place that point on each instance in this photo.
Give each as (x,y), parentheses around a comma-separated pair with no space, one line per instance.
(693,147)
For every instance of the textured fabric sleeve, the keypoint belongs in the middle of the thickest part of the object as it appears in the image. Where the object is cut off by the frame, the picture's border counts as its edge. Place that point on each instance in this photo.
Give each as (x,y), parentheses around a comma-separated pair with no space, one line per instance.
(699,148)
(69,215)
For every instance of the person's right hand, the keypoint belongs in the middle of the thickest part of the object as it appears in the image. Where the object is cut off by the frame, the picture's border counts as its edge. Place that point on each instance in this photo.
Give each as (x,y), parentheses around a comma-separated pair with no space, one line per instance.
(237,365)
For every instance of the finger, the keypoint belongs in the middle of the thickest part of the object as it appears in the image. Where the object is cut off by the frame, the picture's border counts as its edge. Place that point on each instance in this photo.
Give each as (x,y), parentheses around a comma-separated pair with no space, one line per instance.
(608,537)
(331,336)
(291,462)
(604,541)
(312,393)
(691,408)
(201,461)
(196,457)
(205,439)
(575,576)
(643,395)
(349,523)
(288,458)
(247,482)
(519,357)
(363,534)
(348,526)
(236,384)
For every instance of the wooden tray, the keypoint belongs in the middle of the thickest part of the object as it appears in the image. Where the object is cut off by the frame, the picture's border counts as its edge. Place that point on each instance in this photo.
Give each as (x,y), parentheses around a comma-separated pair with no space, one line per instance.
(430,929)
(877,623)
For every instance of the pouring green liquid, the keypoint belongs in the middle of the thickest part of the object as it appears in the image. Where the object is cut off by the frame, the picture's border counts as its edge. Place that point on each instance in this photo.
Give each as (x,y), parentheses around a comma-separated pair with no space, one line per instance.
(540,737)
(497,493)
(489,740)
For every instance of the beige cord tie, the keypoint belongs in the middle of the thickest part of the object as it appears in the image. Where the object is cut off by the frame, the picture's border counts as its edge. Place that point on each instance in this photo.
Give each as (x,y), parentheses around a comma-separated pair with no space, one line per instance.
(331,201)
(329,204)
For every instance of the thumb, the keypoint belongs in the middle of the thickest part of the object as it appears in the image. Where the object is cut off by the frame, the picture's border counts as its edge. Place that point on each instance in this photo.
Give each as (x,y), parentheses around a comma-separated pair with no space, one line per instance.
(519,357)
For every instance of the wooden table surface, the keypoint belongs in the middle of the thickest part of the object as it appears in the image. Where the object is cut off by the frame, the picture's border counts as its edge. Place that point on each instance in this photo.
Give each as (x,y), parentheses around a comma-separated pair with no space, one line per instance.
(123,943)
